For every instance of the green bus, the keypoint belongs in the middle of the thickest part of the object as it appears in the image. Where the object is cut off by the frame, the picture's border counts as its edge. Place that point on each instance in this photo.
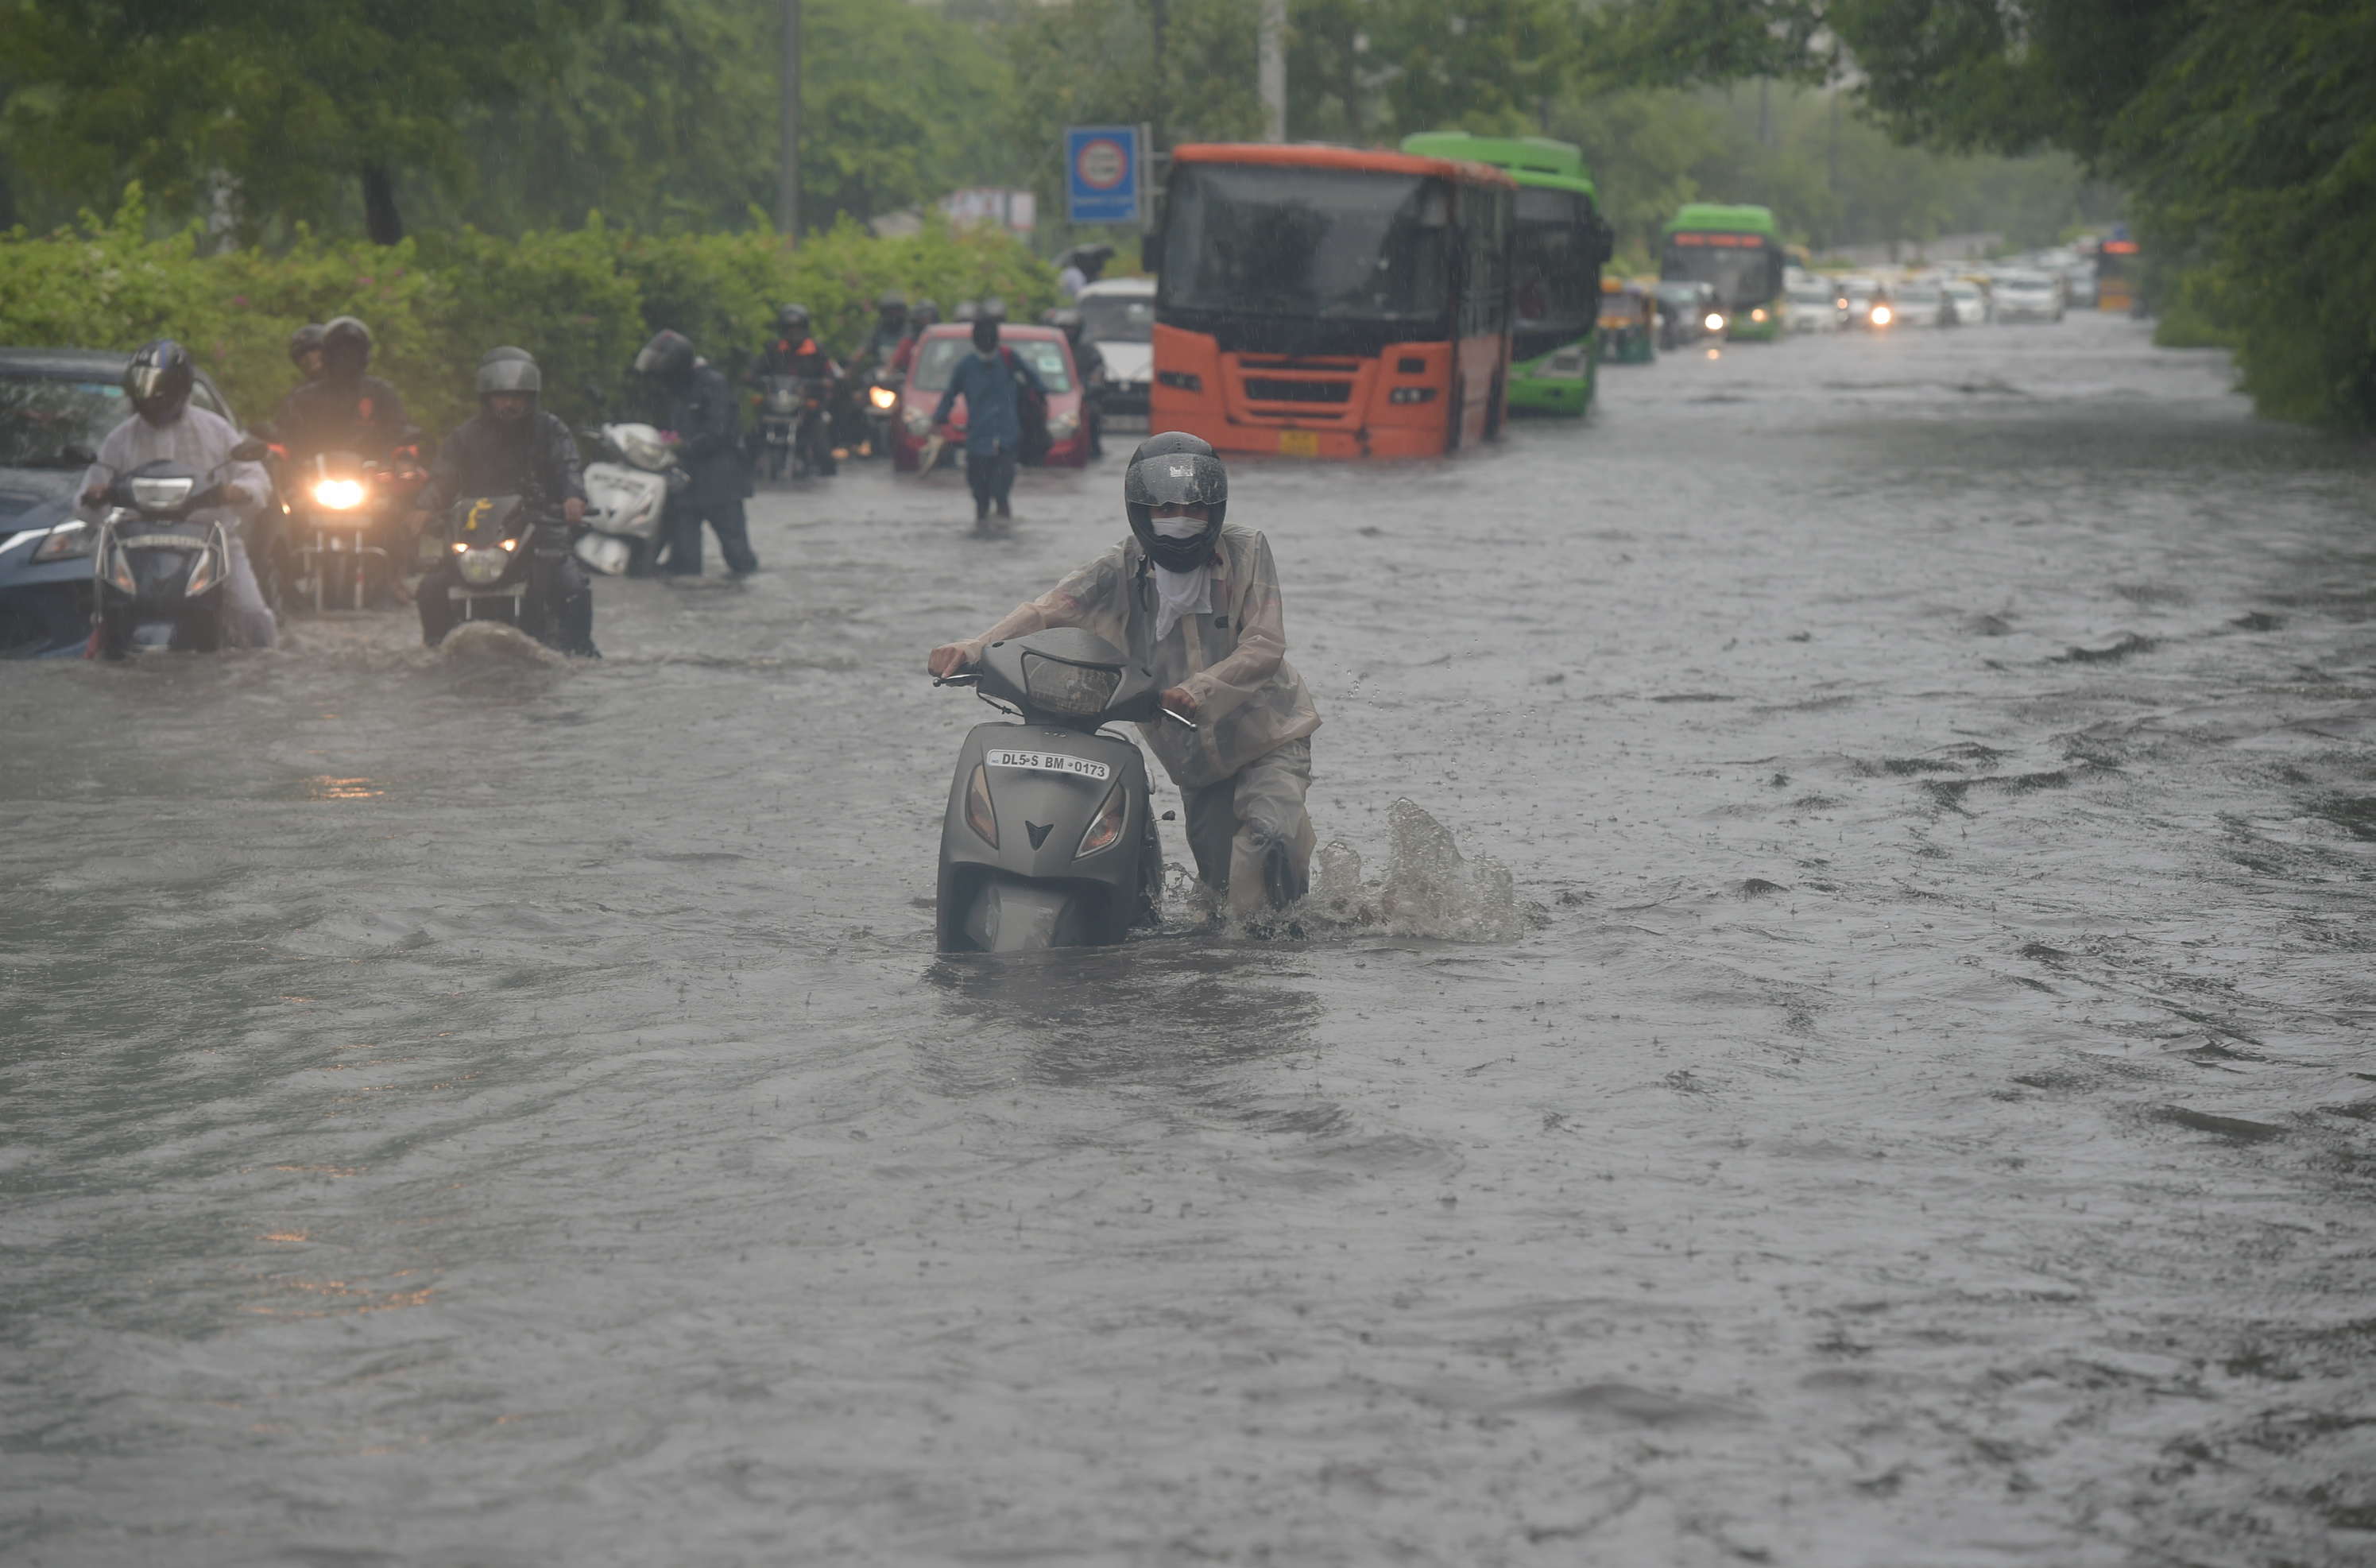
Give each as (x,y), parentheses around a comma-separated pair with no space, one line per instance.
(1739,250)
(1555,266)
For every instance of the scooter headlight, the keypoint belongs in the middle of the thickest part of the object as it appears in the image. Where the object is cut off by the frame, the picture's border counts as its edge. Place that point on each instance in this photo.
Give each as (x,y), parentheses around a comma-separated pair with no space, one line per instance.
(1079,689)
(978,816)
(338,495)
(161,494)
(1106,830)
(884,398)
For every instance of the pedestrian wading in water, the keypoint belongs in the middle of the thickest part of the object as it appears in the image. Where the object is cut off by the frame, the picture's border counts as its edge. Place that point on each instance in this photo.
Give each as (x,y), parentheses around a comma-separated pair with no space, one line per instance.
(1198,602)
(992,381)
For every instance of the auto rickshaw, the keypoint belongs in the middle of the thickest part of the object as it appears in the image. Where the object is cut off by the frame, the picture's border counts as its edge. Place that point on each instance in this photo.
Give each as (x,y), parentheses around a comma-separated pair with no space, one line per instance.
(1629,323)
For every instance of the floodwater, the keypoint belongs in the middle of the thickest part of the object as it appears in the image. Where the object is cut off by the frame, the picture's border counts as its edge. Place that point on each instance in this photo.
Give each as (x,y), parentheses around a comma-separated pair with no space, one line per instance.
(1891,1085)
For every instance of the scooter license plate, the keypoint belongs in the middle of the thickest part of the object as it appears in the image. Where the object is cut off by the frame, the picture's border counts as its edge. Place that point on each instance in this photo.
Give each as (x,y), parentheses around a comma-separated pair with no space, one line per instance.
(1050,761)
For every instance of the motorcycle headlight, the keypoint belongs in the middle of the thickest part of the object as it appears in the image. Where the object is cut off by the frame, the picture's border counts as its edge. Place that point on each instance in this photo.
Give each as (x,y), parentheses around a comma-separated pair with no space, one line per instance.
(1059,426)
(161,494)
(884,398)
(66,541)
(339,494)
(1882,316)
(1076,689)
(1105,830)
(643,450)
(919,424)
(481,567)
(1715,323)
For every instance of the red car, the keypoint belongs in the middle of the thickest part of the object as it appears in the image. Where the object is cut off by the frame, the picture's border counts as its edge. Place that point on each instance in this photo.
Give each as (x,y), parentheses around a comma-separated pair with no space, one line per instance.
(1041,348)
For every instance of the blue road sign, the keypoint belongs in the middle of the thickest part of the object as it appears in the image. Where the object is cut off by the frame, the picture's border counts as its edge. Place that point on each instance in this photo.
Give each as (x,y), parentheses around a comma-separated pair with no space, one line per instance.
(1102,174)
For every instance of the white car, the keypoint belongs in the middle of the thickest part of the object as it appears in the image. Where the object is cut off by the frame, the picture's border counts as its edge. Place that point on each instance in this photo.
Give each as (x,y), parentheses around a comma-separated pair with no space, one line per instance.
(2028,296)
(1118,315)
(1920,304)
(1814,306)
(1966,306)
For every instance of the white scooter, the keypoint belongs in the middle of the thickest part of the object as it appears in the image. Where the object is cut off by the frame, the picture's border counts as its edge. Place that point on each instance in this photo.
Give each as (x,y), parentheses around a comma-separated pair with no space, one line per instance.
(627,500)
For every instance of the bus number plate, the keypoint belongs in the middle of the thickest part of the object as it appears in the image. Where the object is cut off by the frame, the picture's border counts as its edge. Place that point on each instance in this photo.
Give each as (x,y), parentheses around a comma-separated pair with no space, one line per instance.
(1049,762)
(1299,443)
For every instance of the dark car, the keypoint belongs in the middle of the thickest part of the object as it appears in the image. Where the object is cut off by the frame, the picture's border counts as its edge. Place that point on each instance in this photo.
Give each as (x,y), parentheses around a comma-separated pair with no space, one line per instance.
(56,406)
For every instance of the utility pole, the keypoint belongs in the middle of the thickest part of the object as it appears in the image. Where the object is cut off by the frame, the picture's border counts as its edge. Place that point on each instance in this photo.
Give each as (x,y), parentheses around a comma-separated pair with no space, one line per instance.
(1271,68)
(1765,111)
(788,128)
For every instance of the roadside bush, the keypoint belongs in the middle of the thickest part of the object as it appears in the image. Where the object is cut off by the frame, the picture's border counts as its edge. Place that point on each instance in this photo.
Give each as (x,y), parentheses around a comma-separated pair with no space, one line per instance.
(582,300)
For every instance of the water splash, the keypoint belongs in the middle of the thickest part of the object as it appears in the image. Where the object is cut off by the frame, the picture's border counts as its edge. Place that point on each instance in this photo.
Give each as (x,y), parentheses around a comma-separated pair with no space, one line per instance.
(1429,888)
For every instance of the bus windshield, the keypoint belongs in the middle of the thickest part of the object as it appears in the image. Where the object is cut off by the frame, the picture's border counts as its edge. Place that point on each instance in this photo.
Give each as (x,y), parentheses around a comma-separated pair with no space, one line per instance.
(1338,245)
(1737,263)
(1557,271)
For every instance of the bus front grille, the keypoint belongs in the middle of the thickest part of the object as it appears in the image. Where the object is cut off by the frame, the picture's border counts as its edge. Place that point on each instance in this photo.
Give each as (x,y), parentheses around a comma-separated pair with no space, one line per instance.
(1278,389)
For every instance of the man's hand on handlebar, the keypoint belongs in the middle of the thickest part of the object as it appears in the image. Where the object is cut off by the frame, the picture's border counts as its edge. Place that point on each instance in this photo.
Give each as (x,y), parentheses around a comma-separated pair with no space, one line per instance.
(946,661)
(1182,701)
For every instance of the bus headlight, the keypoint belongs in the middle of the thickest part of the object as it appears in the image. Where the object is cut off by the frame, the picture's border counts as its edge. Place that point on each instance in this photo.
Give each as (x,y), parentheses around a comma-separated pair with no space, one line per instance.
(1180,380)
(1412,394)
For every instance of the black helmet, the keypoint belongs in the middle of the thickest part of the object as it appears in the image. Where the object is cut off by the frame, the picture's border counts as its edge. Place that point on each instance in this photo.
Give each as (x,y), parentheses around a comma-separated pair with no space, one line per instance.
(985,333)
(892,300)
(306,339)
(159,380)
(923,312)
(1067,321)
(1175,470)
(509,370)
(792,321)
(669,356)
(346,348)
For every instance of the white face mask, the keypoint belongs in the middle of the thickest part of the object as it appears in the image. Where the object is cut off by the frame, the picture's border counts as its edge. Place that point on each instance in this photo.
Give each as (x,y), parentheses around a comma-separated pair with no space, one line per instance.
(1180,593)
(1180,528)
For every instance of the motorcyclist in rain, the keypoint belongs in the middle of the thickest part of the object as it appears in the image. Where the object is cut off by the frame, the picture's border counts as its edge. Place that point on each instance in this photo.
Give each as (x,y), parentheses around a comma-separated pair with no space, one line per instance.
(991,380)
(794,352)
(697,411)
(890,328)
(165,428)
(1200,602)
(1092,366)
(511,447)
(346,408)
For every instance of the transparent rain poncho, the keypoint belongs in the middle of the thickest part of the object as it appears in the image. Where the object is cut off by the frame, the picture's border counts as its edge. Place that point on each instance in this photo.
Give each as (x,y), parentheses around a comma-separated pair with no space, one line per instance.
(1249,701)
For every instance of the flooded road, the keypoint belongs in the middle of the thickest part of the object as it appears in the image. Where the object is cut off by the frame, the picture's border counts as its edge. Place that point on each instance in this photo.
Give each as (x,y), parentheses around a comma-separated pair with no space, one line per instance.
(1891,1084)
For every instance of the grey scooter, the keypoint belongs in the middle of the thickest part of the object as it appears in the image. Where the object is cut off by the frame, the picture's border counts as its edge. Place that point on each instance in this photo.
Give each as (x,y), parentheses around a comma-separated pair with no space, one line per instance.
(1048,841)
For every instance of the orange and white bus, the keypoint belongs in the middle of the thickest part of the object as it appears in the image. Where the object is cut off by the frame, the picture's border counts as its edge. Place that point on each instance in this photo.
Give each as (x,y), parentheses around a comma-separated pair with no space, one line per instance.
(1324,302)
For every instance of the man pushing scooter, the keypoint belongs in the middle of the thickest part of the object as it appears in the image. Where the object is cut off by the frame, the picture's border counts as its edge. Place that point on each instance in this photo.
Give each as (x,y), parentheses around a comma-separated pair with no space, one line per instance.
(1199,603)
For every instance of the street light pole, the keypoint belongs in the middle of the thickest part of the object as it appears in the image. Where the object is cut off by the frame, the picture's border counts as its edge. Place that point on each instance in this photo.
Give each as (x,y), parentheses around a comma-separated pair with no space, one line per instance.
(1271,68)
(788,128)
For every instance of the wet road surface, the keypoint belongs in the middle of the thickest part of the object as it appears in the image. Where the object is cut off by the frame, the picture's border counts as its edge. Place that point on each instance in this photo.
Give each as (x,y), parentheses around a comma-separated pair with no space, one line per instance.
(1891,1084)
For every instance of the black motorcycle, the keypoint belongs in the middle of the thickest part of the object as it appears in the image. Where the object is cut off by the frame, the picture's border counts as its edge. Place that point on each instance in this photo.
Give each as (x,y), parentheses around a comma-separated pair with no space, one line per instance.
(162,559)
(505,555)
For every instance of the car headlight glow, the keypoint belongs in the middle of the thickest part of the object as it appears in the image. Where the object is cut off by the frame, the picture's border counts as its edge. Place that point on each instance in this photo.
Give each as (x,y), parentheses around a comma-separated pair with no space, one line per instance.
(338,495)
(1061,426)
(1757,315)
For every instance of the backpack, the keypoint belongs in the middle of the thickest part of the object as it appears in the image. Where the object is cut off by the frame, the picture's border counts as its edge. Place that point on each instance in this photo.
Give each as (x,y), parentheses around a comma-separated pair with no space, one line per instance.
(1030,412)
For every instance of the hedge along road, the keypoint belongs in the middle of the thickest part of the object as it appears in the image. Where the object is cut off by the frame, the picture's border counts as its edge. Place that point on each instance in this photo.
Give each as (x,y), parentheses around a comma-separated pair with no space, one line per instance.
(1915,1110)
